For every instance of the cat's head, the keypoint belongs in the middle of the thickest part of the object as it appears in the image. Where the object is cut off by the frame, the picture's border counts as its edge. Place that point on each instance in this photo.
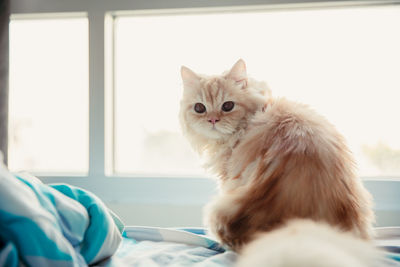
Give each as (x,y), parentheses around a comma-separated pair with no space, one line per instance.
(215,107)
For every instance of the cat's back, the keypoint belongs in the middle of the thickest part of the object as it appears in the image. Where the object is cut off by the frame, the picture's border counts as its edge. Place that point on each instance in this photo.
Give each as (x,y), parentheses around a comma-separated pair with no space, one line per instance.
(296,125)
(288,129)
(293,161)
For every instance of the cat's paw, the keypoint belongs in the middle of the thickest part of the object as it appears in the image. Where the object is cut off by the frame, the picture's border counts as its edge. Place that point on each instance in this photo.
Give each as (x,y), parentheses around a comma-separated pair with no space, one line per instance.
(220,217)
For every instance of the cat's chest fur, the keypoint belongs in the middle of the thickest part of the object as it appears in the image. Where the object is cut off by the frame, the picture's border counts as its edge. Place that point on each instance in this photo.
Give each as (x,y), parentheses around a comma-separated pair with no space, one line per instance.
(221,155)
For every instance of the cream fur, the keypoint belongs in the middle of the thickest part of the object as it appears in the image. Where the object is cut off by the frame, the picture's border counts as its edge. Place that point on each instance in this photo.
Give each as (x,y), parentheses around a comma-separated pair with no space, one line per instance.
(303,243)
(276,160)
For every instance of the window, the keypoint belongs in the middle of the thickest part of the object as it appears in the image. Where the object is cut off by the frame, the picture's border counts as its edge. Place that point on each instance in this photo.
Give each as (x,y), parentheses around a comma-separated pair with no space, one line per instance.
(342,54)
(148,140)
(49,95)
(344,62)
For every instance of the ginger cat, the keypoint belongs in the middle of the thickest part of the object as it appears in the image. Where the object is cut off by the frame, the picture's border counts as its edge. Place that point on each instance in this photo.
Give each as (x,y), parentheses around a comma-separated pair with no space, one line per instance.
(276,160)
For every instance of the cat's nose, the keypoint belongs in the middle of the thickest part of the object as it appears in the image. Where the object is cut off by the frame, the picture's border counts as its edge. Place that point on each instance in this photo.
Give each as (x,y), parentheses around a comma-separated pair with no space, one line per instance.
(213,120)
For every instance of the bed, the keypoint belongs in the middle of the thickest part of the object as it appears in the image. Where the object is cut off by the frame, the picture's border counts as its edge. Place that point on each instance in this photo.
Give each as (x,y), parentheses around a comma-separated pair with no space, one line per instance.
(149,246)
(62,225)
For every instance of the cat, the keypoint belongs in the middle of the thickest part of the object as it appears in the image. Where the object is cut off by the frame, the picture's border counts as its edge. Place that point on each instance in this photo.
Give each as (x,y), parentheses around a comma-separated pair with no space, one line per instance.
(304,243)
(276,160)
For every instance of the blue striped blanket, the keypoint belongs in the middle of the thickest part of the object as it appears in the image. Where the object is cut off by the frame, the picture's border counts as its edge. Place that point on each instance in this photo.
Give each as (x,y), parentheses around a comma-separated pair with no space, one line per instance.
(158,247)
(56,225)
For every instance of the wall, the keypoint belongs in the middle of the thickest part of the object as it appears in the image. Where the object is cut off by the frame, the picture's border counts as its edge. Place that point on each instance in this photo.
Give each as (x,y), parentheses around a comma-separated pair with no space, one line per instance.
(165,215)
(159,215)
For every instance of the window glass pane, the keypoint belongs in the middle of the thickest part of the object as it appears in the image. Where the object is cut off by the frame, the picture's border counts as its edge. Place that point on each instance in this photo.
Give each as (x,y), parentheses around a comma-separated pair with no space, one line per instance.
(49,95)
(344,62)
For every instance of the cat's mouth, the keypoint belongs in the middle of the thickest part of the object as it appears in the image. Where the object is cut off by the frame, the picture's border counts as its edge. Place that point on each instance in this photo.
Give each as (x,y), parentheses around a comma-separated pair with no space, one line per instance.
(216,131)
(217,128)
(212,131)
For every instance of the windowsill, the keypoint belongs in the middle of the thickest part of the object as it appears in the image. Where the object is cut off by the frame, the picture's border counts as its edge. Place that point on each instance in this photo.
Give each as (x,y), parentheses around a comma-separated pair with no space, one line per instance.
(134,198)
(386,192)
(178,191)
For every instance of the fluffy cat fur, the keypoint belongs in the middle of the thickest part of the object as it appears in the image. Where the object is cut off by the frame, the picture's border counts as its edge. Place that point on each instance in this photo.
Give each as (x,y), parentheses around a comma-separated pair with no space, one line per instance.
(305,243)
(276,160)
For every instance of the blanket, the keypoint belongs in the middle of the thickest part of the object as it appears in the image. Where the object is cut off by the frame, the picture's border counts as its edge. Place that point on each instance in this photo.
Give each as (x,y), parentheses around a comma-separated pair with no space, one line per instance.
(158,247)
(56,225)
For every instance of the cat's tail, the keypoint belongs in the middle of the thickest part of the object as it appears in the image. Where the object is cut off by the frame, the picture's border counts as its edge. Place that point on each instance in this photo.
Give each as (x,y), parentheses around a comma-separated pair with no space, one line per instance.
(305,243)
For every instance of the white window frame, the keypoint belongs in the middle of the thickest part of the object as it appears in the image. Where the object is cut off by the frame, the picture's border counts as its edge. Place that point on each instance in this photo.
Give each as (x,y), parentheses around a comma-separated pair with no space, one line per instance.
(159,190)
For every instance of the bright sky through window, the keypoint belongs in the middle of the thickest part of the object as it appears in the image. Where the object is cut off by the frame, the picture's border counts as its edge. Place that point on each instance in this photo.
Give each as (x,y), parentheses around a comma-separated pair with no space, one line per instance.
(343,62)
(49,95)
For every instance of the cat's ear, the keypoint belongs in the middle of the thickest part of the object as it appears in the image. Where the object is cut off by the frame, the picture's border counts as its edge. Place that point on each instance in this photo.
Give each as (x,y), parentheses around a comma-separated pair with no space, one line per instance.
(238,73)
(189,78)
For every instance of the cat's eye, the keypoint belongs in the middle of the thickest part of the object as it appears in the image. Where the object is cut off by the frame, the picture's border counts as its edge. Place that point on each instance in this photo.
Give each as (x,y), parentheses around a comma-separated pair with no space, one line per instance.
(228,106)
(199,108)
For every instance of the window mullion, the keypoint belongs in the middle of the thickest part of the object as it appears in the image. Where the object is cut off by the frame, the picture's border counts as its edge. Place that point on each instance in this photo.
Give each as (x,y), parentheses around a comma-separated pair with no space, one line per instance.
(96,94)
(4,71)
